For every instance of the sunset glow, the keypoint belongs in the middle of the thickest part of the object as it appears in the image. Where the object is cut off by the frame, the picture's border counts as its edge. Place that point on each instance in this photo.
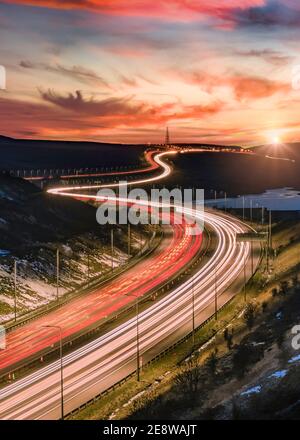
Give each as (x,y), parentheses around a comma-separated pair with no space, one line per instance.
(122,71)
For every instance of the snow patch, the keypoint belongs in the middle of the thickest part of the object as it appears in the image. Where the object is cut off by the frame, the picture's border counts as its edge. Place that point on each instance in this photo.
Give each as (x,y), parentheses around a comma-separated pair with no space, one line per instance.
(279,374)
(294,359)
(253,390)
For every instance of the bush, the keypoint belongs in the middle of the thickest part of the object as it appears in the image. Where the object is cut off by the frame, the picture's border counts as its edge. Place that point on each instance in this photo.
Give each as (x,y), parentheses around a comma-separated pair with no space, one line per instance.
(250,314)
(212,362)
(244,356)
(264,306)
(189,379)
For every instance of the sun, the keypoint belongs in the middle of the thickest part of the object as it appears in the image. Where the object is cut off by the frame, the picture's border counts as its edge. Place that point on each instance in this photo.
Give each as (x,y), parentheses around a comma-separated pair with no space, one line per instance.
(276,140)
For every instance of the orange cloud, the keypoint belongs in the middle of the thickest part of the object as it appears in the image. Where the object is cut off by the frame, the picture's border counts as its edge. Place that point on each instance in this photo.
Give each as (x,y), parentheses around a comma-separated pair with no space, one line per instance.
(256,88)
(243,87)
(166,9)
(72,113)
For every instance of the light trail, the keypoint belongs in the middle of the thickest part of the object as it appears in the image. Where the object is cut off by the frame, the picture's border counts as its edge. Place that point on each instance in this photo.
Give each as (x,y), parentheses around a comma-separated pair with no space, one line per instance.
(286,159)
(96,366)
(92,369)
(68,191)
(86,311)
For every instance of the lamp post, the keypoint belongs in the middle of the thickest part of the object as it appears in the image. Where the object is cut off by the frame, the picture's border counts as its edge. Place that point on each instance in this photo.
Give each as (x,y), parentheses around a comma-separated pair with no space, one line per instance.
(57,274)
(216,295)
(58,327)
(112,248)
(244,271)
(88,267)
(245,291)
(129,240)
(15,289)
(193,311)
(137,334)
(270,229)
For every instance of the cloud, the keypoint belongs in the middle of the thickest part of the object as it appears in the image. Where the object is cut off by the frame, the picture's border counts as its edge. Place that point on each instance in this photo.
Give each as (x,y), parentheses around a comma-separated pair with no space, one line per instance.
(74,116)
(243,87)
(270,56)
(26,65)
(256,88)
(127,107)
(136,80)
(106,107)
(164,9)
(273,13)
(78,73)
(222,14)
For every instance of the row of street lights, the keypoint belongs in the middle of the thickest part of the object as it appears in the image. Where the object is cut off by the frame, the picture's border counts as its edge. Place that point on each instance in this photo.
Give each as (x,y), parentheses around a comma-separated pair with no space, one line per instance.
(57,269)
(59,328)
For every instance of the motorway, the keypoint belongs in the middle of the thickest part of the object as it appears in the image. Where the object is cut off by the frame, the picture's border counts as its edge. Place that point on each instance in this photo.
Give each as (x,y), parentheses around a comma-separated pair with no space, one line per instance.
(175,251)
(31,340)
(96,366)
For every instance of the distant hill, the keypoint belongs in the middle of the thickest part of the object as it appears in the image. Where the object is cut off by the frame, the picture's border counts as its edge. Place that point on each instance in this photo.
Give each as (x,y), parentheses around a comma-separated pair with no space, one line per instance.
(287,151)
(6,139)
(33,154)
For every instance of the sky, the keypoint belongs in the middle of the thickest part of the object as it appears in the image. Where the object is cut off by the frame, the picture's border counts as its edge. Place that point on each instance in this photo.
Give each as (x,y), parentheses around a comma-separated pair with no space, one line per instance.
(218,71)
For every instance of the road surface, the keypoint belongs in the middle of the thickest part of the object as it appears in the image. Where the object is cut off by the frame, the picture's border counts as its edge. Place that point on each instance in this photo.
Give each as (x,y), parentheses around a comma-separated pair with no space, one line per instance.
(93,368)
(31,340)
(96,366)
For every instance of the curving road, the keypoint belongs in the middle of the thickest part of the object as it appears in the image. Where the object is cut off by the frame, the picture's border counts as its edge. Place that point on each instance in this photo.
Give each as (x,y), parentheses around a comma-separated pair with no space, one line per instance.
(172,255)
(95,367)
(32,340)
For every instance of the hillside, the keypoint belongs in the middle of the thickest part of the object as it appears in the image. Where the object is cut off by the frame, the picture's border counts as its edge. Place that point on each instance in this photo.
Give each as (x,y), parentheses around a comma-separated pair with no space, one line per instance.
(285,151)
(34,154)
(251,369)
(33,225)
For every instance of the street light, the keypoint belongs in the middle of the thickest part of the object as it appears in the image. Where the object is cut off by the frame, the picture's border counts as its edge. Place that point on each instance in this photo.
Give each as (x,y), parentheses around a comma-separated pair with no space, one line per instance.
(57,274)
(129,240)
(137,334)
(216,294)
(245,290)
(15,289)
(112,248)
(58,327)
(244,270)
(193,311)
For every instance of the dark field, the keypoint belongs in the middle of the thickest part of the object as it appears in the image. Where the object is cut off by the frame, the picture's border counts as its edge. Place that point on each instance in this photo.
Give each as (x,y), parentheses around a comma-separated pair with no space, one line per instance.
(236,174)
